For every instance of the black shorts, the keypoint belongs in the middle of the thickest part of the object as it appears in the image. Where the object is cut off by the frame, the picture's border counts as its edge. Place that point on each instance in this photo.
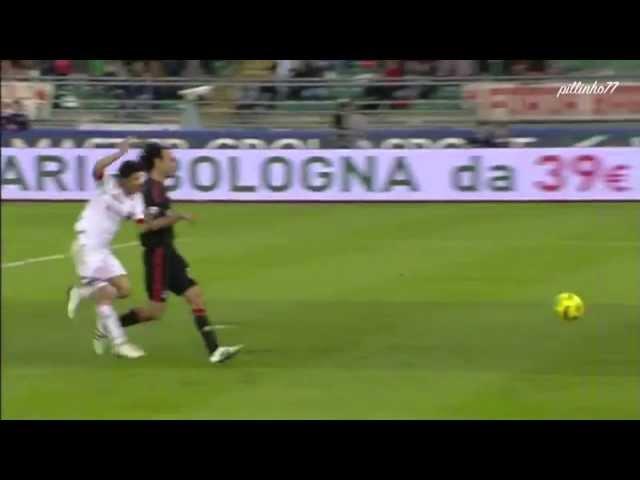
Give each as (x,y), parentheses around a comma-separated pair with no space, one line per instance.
(165,271)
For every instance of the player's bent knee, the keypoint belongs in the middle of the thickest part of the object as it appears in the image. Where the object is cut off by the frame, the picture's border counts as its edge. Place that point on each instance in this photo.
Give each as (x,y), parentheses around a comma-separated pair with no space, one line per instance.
(194,297)
(124,291)
(122,286)
(195,302)
(105,294)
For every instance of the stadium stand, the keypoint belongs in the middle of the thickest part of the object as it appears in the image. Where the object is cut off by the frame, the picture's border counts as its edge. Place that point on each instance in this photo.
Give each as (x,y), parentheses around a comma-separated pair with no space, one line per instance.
(279,93)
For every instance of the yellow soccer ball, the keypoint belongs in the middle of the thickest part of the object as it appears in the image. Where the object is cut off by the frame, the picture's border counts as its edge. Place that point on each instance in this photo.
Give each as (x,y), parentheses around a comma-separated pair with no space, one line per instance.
(569,306)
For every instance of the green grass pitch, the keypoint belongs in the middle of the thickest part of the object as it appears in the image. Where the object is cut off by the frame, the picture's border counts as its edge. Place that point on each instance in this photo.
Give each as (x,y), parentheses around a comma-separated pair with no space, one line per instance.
(413,311)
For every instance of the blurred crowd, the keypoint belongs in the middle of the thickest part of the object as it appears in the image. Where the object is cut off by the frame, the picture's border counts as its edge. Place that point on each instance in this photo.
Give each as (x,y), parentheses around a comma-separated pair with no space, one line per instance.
(388,71)
(282,71)
(109,68)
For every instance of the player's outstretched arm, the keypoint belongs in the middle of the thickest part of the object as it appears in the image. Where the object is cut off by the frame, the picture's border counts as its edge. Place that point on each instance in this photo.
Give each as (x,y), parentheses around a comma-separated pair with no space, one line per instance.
(102,164)
(189,217)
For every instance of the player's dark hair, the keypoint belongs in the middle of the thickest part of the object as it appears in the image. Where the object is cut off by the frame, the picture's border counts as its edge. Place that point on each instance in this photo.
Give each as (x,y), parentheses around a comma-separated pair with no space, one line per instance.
(150,152)
(128,168)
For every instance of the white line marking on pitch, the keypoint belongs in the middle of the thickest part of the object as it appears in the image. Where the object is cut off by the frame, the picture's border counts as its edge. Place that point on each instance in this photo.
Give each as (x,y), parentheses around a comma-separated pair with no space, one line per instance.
(577,243)
(32,260)
(55,257)
(541,243)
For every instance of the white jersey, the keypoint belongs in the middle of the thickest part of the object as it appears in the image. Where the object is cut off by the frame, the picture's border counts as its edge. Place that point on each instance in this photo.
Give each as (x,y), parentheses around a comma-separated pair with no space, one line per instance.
(100,220)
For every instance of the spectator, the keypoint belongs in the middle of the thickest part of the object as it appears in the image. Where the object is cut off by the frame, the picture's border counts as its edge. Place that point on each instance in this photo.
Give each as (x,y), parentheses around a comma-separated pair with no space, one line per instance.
(538,67)
(194,68)
(13,116)
(156,70)
(139,70)
(493,68)
(420,69)
(174,68)
(526,67)
(483,67)
(393,70)
(306,69)
(22,69)
(269,92)
(97,68)
(283,71)
(62,68)
(207,67)
(262,70)
(518,67)
(368,64)
(455,68)
(115,68)
(324,66)
(341,121)
(350,126)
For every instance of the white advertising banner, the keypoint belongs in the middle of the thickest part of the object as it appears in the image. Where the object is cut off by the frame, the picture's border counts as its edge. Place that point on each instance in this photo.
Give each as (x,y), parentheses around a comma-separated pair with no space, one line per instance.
(561,174)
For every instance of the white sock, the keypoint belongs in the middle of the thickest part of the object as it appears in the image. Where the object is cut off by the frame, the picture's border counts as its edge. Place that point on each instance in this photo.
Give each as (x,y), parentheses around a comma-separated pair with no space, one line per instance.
(110,324)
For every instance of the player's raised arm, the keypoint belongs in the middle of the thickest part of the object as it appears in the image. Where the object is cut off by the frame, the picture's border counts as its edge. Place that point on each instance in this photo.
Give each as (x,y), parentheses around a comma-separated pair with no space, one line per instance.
(102,164)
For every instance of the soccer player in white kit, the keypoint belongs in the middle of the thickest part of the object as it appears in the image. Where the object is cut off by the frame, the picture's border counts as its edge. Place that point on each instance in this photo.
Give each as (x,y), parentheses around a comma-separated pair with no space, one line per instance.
(102,276)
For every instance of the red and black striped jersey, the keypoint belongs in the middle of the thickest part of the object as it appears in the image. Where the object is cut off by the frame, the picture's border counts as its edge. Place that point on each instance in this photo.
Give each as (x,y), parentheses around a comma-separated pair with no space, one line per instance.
(157,205)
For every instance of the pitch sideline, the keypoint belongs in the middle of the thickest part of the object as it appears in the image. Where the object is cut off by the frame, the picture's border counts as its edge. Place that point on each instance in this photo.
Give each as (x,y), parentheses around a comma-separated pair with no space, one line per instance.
(577,243)
(56,257)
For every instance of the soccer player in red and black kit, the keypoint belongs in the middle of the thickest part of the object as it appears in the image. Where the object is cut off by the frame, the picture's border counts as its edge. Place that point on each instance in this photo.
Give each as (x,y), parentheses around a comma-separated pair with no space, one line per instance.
(165,269)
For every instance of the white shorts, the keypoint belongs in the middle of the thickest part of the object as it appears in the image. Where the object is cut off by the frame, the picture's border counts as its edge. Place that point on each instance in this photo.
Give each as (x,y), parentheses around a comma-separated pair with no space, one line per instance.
(95,265)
